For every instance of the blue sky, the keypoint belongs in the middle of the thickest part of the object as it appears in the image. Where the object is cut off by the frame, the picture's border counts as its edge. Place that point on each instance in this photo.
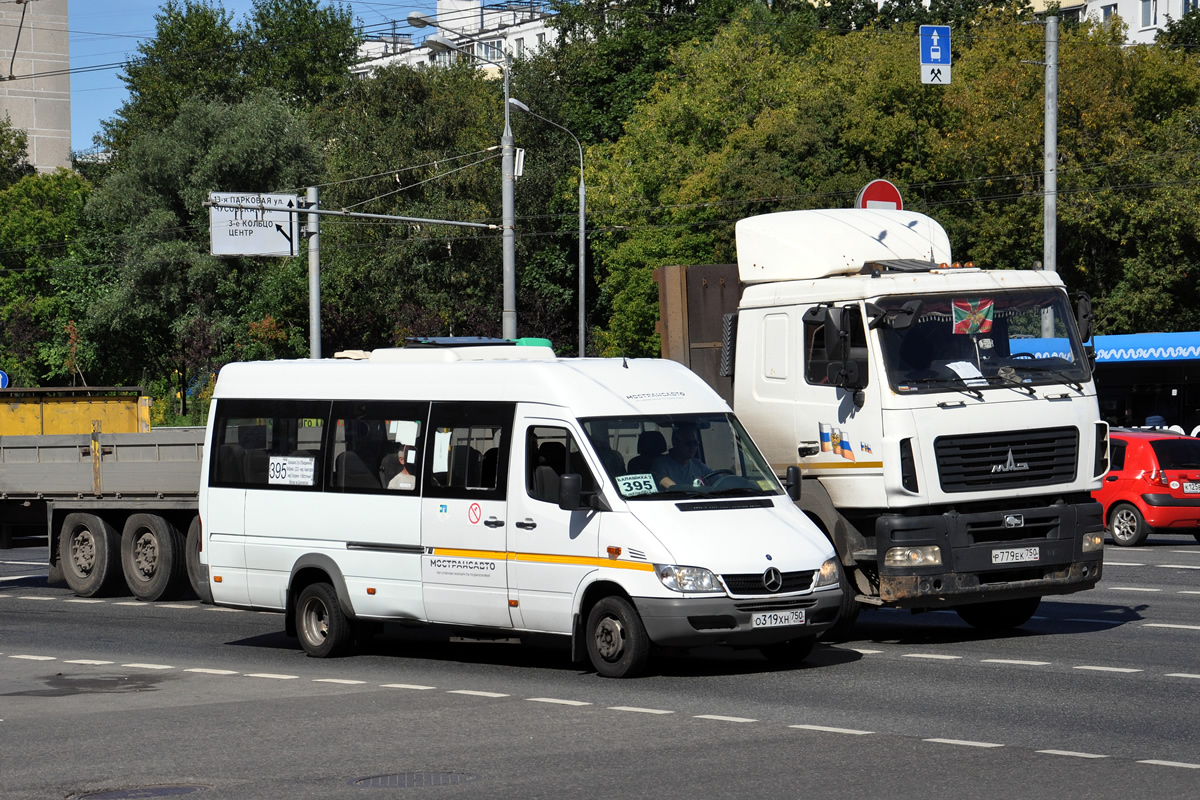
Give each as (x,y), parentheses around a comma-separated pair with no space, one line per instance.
(107,33)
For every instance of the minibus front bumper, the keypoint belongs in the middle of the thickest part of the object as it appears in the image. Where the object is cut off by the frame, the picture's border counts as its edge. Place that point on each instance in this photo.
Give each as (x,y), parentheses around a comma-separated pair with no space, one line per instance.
(750,622)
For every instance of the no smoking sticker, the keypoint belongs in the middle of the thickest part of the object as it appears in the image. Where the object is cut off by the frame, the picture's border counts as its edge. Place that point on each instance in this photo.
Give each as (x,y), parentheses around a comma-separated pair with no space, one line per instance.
(474,514)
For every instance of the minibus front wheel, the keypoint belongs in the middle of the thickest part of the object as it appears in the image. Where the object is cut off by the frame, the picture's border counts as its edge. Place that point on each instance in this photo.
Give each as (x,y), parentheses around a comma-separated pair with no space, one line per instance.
(616,639)
(323,629)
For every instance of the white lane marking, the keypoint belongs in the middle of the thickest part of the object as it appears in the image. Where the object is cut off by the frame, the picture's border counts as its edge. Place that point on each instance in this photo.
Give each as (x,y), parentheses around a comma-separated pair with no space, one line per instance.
(864,651)
(637,710)
(557,701)
(415,686)
(720,718)
(91,662)
(935,656)
(82,600)
(132,603)
(474,693)
(1188,591)
(1187,552)
(172,605)
(1132,589)
(1123,564)
(147,666)
(17,577)
(206,671)
(1158,763)
(963,742)
(1182,675)
(25,564)
(826,729)
(271,676)
(1093,621)
(1169,625)
(1180,566)
(343,681)
(1015,661)
(226,610)
(34,597)
(1071,753)
(34,658)
(1109,669)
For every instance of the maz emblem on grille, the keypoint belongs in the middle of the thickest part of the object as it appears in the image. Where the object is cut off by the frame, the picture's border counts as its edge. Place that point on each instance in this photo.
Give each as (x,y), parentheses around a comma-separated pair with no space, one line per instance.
(1012,465)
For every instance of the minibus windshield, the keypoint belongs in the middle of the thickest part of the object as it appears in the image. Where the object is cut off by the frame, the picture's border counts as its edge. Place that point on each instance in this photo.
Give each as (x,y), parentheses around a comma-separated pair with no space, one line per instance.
(680,455)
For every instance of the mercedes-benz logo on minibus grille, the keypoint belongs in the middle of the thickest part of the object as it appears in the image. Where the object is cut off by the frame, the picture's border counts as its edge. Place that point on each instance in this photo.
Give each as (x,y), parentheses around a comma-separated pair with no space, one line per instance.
(773,580)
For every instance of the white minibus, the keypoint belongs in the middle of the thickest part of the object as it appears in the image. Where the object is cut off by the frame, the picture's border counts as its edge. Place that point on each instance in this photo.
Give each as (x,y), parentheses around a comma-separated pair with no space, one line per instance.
(616,503)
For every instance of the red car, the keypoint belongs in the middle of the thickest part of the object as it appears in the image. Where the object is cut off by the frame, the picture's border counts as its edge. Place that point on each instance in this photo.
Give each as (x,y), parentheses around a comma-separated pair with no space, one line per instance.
(1153,484)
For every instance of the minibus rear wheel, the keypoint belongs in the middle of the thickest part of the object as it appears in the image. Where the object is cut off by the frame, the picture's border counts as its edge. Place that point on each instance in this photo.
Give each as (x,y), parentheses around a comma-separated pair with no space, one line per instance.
(616,639)
(323,629)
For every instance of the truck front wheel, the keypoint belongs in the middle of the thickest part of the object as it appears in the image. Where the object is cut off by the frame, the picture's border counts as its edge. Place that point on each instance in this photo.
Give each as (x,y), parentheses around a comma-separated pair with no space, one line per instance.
(152,557)
(89,550)
(999,615)
(616,639)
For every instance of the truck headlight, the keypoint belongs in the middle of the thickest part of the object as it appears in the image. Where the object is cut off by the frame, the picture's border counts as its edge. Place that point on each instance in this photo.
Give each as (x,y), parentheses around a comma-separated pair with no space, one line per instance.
(1093,542)
(687,579)
(828,575)
(926,556)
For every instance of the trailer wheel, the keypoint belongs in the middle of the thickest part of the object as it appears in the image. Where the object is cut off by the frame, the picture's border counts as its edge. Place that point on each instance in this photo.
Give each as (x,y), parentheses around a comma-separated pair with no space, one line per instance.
(616,639)
(791,653)
(197,572)
(89,550)
(323,629)
(999,615)
(152,557)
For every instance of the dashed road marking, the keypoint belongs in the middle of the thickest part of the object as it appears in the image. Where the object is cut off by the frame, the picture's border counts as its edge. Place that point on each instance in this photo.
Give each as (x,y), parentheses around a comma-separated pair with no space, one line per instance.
(1108,669)
(637,710)
(1016,662)
(1158,763)
(1093,621)
(1123,564)
(272,676)
(827,729)
(17,577)
(91,662)
(556,701)
(963,742)
(173,605)
(1071,753)
(720,718)
(474,693)
(338,680)
(86,600)
(1188,591)
(1132,589)
(933,656)
(415,686)
(147,666)
(130,603)
(34,658)
(1182,675)
(1180,566)
(1169,625)
(35,597)
(207,671)
(864,651)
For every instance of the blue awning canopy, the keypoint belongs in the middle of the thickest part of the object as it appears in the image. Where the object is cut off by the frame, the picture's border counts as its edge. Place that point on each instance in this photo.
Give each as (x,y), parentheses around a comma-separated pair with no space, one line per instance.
(1121,348)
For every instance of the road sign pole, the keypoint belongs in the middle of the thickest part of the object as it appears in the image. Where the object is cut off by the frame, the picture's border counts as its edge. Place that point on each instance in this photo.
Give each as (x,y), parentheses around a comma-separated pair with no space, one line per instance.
(314,278)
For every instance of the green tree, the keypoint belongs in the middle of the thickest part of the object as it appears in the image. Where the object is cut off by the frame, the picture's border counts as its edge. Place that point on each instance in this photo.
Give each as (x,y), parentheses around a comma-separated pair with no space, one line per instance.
(302,49)
(14,157)
(1182,33)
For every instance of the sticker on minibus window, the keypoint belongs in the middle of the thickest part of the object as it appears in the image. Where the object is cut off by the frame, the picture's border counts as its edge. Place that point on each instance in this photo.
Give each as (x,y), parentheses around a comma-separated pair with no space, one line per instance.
(291,471)
(639,483)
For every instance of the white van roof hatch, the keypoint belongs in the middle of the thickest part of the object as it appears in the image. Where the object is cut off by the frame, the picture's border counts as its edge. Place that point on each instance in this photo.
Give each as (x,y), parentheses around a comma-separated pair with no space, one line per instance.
(819,243)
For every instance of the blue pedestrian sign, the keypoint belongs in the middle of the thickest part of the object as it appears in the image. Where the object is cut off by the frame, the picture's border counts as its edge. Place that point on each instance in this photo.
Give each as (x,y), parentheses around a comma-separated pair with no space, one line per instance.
(935,54)
(3,380)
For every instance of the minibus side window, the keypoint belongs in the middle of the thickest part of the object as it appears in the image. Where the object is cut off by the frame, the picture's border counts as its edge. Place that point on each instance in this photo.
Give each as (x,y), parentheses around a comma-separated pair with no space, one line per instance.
(276,444)
(467,450)
(551,453)
(374,446)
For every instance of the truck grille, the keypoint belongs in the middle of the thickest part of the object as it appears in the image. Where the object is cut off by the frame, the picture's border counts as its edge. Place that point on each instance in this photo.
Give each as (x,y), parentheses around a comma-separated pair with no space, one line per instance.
(752,584)
(977,462)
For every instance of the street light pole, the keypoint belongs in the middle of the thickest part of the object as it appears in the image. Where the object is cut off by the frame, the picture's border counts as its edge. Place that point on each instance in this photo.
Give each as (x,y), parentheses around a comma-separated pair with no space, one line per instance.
(508,317)
(582,223)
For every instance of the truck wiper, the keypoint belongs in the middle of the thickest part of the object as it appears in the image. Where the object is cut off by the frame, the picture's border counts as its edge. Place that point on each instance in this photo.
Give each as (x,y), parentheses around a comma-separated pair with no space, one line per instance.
(956,382)
(1067,379)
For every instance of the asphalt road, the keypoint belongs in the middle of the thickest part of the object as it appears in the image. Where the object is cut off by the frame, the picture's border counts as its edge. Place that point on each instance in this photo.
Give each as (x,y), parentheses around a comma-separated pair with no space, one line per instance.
(1096,697)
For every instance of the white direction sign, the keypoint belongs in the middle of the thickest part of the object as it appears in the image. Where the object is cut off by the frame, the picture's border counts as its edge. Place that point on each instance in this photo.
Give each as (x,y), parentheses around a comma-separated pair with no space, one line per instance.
(935,54)
(254,224)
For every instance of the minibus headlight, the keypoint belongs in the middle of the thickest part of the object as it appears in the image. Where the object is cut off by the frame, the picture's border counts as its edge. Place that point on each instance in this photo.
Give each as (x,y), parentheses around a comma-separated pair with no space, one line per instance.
(828,575)
(687,579)
(926,556)
(1093,542)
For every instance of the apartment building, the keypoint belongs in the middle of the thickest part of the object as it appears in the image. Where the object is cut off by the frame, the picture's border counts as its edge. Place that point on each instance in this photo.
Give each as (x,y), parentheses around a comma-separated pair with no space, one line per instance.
(35,84)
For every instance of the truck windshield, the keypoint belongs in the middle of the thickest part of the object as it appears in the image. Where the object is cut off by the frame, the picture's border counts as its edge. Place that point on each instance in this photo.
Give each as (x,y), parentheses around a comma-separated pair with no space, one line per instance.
(682,455)
(973,341)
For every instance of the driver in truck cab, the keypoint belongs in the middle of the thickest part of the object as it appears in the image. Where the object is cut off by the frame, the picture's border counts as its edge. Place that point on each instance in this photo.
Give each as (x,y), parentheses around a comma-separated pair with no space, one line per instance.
(679,465)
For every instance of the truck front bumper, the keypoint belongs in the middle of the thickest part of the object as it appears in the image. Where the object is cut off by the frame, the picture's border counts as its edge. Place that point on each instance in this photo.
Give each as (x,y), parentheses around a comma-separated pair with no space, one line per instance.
(969,543)
(698,621)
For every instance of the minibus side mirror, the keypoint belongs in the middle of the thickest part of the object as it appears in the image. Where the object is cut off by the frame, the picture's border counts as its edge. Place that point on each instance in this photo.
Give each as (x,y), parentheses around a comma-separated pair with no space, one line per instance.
(570,487)
(792,483)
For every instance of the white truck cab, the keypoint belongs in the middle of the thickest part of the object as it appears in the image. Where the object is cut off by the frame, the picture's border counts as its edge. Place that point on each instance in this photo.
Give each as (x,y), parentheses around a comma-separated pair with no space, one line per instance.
(501,488)
(944,416)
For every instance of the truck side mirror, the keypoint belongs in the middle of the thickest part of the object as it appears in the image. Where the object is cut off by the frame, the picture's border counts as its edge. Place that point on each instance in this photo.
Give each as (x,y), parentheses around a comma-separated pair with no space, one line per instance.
(1083,315)
(570,487)
(792,483)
